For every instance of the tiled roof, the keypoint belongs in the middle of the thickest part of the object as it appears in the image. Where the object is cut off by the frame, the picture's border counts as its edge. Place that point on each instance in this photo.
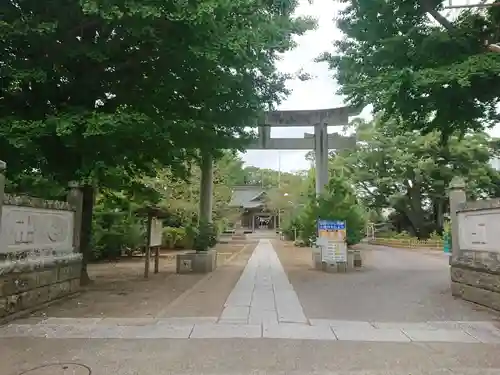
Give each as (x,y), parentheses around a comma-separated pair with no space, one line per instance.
(247,196)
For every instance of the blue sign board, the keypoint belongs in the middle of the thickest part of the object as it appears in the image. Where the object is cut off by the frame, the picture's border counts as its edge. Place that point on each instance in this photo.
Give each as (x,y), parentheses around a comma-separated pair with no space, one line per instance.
(331,225)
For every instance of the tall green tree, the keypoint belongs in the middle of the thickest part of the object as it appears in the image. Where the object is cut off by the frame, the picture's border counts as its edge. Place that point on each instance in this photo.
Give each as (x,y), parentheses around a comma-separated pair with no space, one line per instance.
(100,91)
(410,172)
(410,61)
(338,202)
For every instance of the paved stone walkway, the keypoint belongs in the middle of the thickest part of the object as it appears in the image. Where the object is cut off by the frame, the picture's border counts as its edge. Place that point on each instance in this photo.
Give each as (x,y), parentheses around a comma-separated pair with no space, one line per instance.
(263,304)
(263,293)
(208,328)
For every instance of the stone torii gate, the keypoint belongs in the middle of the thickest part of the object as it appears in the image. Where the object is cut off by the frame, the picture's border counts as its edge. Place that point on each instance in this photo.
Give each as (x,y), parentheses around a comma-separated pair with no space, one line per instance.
(320,142)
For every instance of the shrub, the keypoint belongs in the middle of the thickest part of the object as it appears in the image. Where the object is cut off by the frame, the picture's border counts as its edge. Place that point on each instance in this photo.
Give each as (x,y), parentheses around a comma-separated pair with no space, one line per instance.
(300,243)
(115,232)
(337,203)
(435,236)
(447,228)
(204,237)
(403,235)
(292,229)
(386,234)
(173,238)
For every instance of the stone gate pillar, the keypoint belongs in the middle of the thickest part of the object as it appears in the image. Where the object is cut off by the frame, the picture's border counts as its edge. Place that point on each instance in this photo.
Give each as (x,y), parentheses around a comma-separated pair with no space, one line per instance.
(75,198)
(321,156)
(457,197)
(3,166)
(206,188)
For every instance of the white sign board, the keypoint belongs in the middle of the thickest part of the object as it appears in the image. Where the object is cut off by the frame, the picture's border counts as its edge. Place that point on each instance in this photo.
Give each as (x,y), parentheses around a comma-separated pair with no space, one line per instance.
(334,252)
(479,230)
(156,232)
(36,229)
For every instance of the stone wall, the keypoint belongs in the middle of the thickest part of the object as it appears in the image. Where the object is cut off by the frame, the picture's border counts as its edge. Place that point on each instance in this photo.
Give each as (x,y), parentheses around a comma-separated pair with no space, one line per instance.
(475,263)
(26,288)
(38,251)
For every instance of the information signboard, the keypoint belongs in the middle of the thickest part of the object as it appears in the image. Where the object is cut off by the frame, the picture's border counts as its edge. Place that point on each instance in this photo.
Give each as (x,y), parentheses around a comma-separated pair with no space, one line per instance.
(156,232)
(332,239)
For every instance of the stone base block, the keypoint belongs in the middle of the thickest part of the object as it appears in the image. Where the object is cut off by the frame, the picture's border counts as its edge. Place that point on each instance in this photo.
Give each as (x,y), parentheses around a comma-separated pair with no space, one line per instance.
(335,268)
(357,259)
(316,259)
(350,260)
(196,262)
(476,286)
(354,260)
(477,295)
(25,289)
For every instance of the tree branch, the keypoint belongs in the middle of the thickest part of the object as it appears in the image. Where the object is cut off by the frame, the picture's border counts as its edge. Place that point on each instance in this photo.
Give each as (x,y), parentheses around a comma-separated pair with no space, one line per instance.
(427,6)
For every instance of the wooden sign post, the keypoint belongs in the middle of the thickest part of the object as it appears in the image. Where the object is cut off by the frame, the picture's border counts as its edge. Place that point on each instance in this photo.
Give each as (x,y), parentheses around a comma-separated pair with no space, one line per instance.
(154,233)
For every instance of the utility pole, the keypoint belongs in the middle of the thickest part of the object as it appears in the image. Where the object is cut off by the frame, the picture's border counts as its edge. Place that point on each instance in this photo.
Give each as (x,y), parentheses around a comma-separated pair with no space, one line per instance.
(279,189)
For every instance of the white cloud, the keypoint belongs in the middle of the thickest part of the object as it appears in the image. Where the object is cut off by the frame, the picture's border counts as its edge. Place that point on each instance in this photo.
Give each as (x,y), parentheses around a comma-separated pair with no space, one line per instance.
(316,93)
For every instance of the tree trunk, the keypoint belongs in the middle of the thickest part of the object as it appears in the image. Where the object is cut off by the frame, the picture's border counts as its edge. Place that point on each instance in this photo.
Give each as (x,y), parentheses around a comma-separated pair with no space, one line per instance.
(439,214)
(86,233)
(415,213)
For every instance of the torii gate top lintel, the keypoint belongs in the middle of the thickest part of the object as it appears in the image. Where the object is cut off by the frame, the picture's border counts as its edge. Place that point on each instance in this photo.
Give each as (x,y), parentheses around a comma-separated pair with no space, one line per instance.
(320,141)
(329,116)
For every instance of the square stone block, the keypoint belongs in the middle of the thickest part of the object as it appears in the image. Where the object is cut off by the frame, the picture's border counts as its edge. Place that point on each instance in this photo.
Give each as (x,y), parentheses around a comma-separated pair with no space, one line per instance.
(476,294)
(297,331)
(35,297)
(341,267)
(188,320)
(354,325)
(268,317)
(128,321)
(484,335)
(350,260)
(353,333)
(24,290)
(196,262)
(3,307)
(239,313)
(71,321)
(14,283)
(226,331)
(74,285)
(317,263)
(358,261)
(69,271)
(440,335)
(59,290)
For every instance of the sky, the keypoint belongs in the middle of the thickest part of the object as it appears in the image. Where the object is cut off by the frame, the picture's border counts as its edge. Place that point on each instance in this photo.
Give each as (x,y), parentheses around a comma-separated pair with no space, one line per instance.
(316,93)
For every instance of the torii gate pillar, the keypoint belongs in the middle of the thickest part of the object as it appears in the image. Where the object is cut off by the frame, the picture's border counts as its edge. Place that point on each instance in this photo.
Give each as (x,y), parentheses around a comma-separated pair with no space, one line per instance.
(321,157)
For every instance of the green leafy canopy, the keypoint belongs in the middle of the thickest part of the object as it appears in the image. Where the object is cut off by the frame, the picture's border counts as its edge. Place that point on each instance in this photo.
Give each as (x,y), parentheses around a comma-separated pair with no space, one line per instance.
(434,75)
(103,90)
(410,172)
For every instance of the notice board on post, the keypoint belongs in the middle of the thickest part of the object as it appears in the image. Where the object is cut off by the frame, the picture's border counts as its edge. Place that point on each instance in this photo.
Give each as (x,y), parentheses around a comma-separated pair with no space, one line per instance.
(332,237)
(156,232)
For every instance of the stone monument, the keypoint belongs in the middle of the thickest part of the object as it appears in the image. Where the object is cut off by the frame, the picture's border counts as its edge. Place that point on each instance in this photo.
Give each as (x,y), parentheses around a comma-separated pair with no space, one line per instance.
(38,258)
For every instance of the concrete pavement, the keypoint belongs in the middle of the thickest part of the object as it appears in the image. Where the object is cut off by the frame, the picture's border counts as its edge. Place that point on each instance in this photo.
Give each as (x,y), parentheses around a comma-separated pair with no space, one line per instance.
(264,304)
(240,356)
(309,322)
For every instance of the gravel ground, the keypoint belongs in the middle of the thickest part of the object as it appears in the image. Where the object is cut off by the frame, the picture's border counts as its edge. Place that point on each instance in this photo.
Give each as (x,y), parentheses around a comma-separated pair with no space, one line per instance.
(393,285)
